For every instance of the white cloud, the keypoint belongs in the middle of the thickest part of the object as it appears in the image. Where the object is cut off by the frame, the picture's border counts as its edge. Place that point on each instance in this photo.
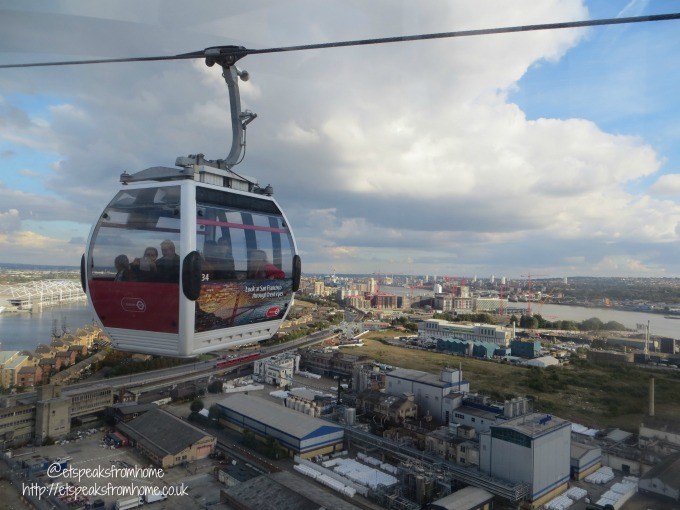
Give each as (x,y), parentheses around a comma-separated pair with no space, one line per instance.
(667,185)
(9,221)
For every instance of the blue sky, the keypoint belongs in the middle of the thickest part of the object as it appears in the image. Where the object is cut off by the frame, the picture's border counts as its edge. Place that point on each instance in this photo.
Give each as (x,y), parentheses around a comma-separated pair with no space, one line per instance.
(547,152)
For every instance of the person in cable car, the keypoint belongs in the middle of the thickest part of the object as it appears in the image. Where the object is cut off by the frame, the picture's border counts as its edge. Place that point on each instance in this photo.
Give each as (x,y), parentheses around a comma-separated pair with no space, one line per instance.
(145,268)
(219,261)
(123,271)
(261,269)
(168,264)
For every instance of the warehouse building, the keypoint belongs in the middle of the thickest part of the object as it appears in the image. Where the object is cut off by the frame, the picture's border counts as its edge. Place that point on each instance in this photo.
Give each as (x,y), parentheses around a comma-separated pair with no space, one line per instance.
(298,433)
(663,479)
(543,362)
(585,459)
(167,440)
(534,448)
(595,356)
(279,491)
(468,498)
(525,349)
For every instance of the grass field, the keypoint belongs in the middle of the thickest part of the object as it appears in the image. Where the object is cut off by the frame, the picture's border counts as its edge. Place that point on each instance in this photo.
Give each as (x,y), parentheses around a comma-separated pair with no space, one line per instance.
(598,396)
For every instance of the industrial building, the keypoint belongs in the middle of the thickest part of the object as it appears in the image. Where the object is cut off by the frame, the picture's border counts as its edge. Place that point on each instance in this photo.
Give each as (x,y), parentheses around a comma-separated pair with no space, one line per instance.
(474,348)
(534,449)
(468,498)
(595,356)
(54,410)
(282,490)
(429,390)
(311,402)
(167,440)
(297,432)
(434,329)
(663,479)
(480,413)
(276,370)
(368,376)
(393,408)
(663,434)
(639,344)
(455,444)
(525,348)
(331,363)
(668,345)
(17,422)
(585,459)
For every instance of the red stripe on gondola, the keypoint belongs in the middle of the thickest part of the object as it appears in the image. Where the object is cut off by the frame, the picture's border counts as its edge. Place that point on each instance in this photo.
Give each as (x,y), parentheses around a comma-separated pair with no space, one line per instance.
(241,226)
(150,229)
(141,306)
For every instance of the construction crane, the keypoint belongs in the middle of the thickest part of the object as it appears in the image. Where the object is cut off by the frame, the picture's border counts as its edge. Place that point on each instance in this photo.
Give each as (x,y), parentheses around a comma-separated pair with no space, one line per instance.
(529,287)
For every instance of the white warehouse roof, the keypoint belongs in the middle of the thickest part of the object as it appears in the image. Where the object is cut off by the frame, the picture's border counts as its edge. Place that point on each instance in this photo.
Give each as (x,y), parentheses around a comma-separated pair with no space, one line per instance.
(279,417)
(542,362)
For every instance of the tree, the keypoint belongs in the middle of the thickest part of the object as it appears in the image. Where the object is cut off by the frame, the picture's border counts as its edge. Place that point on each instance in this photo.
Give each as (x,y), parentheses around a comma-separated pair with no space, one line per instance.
(274,450)
(568,325)
(248,438)
(214,412)
(592,324)
(196,406)
(215,387)
(614,326)
(411,326)
(528,322)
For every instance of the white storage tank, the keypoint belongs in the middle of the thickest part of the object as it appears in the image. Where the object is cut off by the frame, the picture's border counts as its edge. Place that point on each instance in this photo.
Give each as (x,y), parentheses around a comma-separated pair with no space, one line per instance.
(350,415)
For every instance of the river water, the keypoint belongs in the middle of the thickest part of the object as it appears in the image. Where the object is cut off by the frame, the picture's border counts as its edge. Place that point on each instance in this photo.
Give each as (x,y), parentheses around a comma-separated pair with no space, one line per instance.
(658,324)
(24,331)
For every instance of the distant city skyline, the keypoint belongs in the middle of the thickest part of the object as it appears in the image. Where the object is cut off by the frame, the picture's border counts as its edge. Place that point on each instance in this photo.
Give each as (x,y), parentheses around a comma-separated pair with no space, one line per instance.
(553,153)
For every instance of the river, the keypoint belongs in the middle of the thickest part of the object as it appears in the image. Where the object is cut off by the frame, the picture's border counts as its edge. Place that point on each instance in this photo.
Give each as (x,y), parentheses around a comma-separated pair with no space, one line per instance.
(25,330)
(658,324)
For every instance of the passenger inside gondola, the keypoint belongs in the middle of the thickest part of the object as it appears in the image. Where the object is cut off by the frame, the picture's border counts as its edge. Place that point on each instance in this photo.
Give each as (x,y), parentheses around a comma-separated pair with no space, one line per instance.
(145,268)
(259,268)
(219,263)
(168,265)
(123,271)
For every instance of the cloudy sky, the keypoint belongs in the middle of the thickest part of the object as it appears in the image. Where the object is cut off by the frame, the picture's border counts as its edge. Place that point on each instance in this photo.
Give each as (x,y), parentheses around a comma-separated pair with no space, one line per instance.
(553,152)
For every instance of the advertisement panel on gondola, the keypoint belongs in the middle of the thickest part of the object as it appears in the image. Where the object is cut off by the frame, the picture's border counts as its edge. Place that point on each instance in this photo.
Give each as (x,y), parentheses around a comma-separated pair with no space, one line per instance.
(226,304)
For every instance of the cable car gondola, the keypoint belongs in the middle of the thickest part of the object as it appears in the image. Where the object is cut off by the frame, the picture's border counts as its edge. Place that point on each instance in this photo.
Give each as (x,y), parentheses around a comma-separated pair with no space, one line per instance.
(195,258)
